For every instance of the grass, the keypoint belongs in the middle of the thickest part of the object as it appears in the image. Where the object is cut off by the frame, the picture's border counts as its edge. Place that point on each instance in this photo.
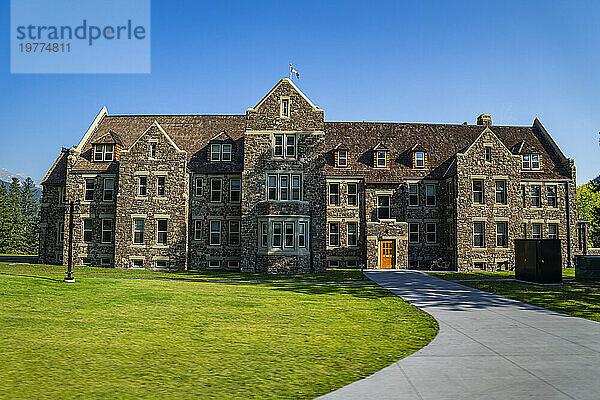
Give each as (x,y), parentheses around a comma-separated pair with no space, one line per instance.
(101,338)
(457,276)
(574,298)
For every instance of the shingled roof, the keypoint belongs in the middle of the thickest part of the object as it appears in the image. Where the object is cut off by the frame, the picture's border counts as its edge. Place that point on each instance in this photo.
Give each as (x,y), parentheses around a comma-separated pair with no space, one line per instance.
(57,174)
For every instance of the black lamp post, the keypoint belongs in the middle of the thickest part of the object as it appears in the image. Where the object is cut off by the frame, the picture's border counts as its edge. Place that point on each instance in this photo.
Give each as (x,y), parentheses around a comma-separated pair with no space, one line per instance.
(70,278)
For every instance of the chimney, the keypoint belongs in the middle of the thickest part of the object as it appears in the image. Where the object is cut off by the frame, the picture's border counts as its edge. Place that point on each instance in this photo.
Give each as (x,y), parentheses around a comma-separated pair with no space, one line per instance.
(484,119)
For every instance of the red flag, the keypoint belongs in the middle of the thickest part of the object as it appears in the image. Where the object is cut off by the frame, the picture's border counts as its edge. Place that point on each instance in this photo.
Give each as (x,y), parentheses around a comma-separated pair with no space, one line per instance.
(293,71)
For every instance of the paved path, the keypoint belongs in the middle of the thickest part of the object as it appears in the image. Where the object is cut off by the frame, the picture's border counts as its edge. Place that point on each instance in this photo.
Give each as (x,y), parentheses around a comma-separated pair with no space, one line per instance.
(488,347)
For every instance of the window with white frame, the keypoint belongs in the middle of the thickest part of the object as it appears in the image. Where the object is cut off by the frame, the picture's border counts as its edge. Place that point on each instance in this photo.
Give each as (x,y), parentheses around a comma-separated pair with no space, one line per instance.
(138,231)
(226,152)
(334,194)
(107,230)
(264,234)
(430,195)
(278,187)
(272,187)
(276,240)
(86,261)
(413,194)
(104,152)
(89,189)
(552,196)
(137,263)
(342,158)
(233,265)
(352,264)
(478,196)
(235,190)
(109,189)
(161,231)
(289,235)
(383,206)
(381,156)
(502,234)
(162,264)
(535,161)
(215,232)
(352,234)
(285,107)
(161,186)
(431,232)
(105,262)
(278,145)
(553,231)
(352,194)
(301,234)
(536,192)
(152,149)
(221,152)
(290,145)
(216,186)
(419,159)
(142,186)
(334,234)
(282,234)
(536,231)
(214,264)
(284,146)
(234,233)
(198,186)
(197,229)
(526,161)
(500,192)
(296,187)
(413,232)
(62,194)
(284,187)
(478,234)
(488,154)
(60,233)
(530,161)
(87,230)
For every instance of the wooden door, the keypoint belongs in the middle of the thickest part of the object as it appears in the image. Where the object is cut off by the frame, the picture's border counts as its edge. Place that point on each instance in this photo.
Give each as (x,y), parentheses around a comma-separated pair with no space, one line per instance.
(387,253)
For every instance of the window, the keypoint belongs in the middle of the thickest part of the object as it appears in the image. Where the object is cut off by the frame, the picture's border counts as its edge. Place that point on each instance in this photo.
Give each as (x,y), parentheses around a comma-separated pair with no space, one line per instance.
(233,265)
(479,265)
(352,234)
(198,186)
(535,195)
(334,264)
(264,235)
(552,231)
(290,146)
(430,195)
(87,230)
(162,264)
(552,197)
(160,186)
(413,232)
(381,157)
(226,151)
(105,262)
(413,194)
(284,187)
(526,161)
(153,150)
(138,231)
(89,189)
(235,190)
(501,234)
(477,191)
(108,193)
(107,230)
(215,233)
(295,187)
(351,264)
(488,154)
(535,161)
(334,194)
(62,194)
(302,234)
(142,186)
(197,229)
(234,233)
(276,234)
(383,207)
(430,232)
(501,192)
(285,107)
(60,233)
(342,158)
(334,234)
(161,231)
(137,263)
(536,231)
(478,234)
(86,261)
(419,159)
(531,161)
(215,152)
(352,194)
(215,189)
(272,187)
(214,264)
(278,146)
(104,152)
(289,235)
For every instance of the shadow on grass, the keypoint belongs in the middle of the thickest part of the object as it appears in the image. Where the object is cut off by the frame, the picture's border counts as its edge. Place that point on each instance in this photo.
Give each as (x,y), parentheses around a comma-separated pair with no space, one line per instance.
(366,290)
(32,276)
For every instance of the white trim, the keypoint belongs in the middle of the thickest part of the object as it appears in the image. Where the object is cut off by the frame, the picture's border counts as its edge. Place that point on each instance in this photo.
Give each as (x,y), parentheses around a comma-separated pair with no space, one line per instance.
(160,128)
(103,112)
(260,103)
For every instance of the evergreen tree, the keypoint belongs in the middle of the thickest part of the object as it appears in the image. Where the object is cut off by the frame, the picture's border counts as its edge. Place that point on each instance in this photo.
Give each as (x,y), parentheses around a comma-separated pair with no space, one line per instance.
(4,220)
(30,209)
(15,232)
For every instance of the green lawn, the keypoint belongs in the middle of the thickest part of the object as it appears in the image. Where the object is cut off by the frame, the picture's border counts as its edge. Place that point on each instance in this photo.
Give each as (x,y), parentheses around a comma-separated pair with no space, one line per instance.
(453,276)
(104,338)
(574,298)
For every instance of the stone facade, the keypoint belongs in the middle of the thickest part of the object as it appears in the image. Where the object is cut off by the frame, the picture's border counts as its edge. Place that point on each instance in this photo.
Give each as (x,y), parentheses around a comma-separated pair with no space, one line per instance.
(280,190)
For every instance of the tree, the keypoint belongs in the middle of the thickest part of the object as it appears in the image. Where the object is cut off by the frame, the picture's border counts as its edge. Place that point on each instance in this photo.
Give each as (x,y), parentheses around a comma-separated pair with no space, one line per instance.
(29,211)
(15,232)
(588,208)
(4,220)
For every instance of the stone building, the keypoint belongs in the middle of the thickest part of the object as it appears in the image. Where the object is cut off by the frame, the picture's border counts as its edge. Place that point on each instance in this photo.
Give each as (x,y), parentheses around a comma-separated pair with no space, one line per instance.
(278,189)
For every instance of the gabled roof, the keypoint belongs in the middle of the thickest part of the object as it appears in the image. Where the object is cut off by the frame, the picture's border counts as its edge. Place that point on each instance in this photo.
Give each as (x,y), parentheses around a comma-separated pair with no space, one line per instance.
(283,81)
(110,137)
(222,137)
(341,146)
(57,175)
(380,146)
(418,147)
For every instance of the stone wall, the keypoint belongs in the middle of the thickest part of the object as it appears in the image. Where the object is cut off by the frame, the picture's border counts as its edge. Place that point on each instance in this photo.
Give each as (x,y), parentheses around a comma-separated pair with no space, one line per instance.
(52,212)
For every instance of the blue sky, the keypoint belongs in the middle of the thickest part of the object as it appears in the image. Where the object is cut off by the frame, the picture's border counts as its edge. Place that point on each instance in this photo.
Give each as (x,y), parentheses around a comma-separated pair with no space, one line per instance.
(419,61)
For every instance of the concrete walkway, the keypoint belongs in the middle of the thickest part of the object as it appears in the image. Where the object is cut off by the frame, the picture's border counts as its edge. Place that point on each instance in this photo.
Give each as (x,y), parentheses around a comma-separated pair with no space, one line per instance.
(488,347)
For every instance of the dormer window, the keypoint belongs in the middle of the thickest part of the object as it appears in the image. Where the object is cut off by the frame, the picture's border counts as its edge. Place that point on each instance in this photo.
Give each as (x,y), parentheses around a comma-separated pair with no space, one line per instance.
(220,152)
(381,159)
(419,159)
(342,158)
(104,152)
(531,161)
(285,108)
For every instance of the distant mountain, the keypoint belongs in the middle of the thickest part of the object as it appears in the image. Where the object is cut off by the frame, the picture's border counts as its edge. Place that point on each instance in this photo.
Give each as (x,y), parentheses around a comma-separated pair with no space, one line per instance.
(7,176)
(37,191)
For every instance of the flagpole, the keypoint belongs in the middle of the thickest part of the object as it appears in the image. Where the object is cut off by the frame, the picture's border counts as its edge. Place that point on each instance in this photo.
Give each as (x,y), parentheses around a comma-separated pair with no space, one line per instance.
(290,70)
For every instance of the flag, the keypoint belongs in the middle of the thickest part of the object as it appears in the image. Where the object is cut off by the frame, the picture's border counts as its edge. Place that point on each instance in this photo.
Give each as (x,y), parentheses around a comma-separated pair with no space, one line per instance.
(293,71)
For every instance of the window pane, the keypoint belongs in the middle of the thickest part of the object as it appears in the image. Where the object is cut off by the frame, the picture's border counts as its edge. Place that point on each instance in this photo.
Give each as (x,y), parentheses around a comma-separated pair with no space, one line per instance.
(278,146)
(272,187)
(226,152)
(290,148)
(215,152)
(295,187)
(289,234)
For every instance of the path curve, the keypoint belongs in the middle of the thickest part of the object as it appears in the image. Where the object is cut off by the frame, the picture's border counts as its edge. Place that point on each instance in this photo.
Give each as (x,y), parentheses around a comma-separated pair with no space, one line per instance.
(488,347)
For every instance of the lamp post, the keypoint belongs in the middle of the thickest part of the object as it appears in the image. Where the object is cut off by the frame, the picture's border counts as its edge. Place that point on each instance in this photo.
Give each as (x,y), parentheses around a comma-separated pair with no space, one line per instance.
(70,278)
